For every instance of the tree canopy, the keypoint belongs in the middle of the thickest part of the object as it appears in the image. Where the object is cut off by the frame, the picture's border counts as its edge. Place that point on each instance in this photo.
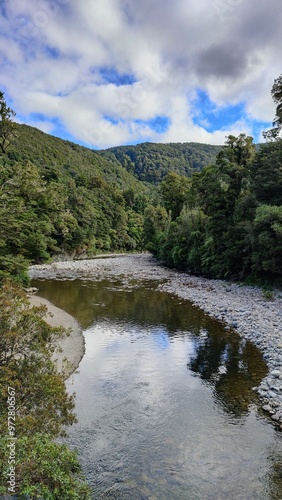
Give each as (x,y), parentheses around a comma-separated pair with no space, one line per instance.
(276,94)
(151,162)
(7,127)
(228,225)
(34,395)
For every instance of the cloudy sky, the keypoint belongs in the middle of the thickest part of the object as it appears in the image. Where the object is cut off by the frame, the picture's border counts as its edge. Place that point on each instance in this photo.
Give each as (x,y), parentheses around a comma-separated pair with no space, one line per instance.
(111,72)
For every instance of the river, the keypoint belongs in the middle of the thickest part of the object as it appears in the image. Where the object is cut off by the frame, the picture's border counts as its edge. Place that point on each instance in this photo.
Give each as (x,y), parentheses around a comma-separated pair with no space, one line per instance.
(164,397)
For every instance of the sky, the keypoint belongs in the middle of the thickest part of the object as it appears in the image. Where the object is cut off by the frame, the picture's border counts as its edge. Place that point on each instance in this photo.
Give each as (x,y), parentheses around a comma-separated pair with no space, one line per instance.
(104,73)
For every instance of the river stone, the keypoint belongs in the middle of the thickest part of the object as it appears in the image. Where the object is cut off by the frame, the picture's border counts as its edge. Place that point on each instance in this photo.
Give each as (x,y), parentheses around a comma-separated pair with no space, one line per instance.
(267,408)
(275,404)
(276,373)
(264,387)
(276,417)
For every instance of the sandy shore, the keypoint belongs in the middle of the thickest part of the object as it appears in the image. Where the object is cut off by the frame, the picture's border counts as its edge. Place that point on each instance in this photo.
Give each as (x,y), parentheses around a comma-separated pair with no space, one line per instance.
(72,346)
(241,308)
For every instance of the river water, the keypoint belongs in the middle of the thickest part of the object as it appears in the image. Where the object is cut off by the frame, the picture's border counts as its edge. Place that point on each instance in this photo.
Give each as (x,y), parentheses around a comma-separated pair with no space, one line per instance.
(164,398)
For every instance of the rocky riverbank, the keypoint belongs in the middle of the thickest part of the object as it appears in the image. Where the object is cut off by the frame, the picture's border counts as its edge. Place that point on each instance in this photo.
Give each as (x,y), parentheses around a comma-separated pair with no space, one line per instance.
(242,308)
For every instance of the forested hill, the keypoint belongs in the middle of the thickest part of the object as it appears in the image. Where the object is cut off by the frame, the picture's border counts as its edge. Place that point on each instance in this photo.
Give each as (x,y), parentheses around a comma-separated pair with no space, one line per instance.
(60,198)
(56,156)
(224,221)
(151,162)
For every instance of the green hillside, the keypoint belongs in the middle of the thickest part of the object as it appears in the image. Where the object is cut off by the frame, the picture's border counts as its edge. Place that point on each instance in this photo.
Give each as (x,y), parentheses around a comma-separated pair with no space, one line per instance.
(151,162)
(57,157)
(60,198)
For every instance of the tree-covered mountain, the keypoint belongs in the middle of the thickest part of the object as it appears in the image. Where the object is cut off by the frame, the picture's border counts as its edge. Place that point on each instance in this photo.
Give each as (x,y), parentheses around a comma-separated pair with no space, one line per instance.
(61,198)
(57,157)
(43,209)
(150,162)
(58,197)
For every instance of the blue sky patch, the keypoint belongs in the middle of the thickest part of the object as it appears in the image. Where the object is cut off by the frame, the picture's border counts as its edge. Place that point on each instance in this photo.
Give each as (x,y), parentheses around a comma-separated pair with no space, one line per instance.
(52,52)
(207,115)
(3,9)
(111,75)
(112,120)
(40,117)
(159,124)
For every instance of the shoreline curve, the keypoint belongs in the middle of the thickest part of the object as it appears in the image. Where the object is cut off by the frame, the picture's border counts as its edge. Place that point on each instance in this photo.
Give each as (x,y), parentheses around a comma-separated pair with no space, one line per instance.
(71,348)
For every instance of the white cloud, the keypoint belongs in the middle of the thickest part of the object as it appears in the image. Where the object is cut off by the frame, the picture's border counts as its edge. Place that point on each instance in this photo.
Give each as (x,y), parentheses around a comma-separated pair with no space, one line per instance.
(52,51)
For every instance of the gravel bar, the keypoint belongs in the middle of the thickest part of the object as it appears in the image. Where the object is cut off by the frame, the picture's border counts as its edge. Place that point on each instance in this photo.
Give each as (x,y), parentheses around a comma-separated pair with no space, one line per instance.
(70,349)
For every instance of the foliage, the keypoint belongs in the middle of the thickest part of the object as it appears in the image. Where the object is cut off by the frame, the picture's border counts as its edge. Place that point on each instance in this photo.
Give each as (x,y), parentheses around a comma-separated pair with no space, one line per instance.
(155,221)
(268,294)
(266,173)
(7,127)
(43,406)
(26,346)
(267,244)
(276,93)
(230,222)
(44,469)
(151,162)
(56,197)
(60,198)
(174,190)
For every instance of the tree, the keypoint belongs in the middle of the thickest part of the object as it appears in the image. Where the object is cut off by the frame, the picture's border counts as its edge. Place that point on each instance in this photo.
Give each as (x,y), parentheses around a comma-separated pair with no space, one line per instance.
(267,242)
(42,407)
(276,94)
(239,150)
(155,221)
(26,346)
(266,174)
(190,237)
(175,190)
(212,234)
(7,128)
(44,469)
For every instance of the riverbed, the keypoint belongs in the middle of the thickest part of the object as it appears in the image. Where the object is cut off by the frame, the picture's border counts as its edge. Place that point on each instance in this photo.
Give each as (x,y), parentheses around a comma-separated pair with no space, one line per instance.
(167,397)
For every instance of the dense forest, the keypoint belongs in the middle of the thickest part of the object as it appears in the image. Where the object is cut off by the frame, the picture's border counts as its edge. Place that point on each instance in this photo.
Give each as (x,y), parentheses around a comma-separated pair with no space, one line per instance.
(214,211)
(150,162)
(60,198)
(226,221)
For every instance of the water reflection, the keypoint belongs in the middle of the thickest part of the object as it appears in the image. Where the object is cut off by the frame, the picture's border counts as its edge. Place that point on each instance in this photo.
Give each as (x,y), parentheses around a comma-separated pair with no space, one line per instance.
(164,398)
(88,301)
(219,357)
(233,366)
